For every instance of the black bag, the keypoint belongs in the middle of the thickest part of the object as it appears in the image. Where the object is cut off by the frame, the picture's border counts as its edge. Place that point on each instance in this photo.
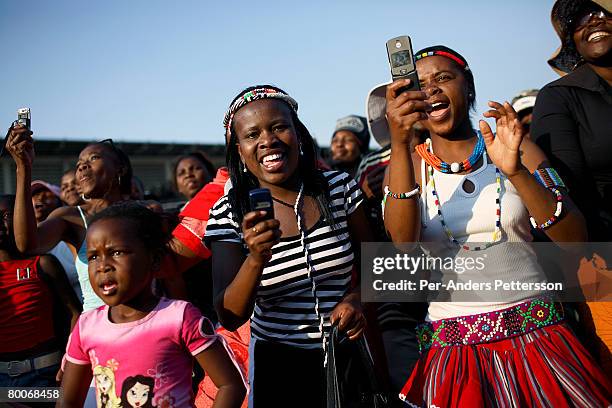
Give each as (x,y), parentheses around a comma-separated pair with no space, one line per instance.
(351,379)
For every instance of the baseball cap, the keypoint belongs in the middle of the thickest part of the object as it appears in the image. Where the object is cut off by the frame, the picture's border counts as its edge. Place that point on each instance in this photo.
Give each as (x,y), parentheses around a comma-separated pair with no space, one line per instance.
(376,108)
(524,100)
(357,125)
(38,184)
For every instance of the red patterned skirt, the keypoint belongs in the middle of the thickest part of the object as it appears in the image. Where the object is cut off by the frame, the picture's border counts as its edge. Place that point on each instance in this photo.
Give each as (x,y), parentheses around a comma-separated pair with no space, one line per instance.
(524,356)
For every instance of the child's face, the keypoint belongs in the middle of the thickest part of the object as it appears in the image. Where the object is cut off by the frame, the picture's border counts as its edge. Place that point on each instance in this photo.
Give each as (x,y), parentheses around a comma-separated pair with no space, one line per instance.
(120,266)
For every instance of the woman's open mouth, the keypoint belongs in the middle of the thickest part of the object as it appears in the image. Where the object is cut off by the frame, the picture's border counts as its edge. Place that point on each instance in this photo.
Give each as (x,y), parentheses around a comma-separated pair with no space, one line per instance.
(273,162)
(598,35)
(439,111)
(85,180)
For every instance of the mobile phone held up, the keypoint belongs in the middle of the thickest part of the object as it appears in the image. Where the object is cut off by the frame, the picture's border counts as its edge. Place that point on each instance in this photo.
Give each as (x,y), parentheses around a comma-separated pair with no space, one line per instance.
(401,60)
(261,200)
(24,119)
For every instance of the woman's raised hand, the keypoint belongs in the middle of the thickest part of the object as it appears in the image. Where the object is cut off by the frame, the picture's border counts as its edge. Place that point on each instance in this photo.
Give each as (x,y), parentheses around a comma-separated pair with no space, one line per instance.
(404,110)
(260,235)
(503,147)
(20,145)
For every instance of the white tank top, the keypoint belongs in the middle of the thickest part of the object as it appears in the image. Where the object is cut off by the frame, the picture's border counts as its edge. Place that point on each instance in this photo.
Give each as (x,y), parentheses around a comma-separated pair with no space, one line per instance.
(471,218)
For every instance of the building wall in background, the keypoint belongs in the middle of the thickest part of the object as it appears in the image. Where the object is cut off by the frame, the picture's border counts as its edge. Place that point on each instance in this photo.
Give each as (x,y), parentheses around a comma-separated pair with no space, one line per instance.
(153,163)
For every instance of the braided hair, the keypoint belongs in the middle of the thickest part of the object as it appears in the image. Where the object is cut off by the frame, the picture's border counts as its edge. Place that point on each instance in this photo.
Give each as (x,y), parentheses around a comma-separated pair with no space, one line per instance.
(315,184)
(149,225)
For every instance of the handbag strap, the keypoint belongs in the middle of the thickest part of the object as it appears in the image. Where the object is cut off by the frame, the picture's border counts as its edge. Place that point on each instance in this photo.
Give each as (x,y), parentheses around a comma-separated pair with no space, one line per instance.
(368,363)
(333,387)
(334,399)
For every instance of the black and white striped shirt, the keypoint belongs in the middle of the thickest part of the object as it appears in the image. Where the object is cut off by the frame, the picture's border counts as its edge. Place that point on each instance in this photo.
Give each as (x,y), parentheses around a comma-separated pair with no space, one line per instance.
(285,305)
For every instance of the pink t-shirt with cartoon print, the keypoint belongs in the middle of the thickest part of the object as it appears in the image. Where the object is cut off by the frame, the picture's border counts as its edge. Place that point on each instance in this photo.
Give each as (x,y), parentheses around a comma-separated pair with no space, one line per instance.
(145,363)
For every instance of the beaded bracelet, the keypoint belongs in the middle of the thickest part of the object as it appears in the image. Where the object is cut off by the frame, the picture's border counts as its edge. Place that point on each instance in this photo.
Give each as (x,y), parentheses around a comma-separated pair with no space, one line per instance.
(549,178)
(398,196)
(401,196)
(555,217)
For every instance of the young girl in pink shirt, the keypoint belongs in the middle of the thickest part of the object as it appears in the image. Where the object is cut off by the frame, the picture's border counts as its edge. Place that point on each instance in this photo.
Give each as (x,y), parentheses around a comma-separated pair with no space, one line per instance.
(139,348)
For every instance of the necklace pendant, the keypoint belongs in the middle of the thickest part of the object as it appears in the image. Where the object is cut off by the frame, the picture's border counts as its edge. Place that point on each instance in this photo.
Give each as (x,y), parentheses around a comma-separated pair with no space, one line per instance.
(455,167)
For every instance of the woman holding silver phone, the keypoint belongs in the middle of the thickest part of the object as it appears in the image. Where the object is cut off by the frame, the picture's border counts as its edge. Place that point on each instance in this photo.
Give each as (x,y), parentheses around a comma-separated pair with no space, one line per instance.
(104,175)
(466,190)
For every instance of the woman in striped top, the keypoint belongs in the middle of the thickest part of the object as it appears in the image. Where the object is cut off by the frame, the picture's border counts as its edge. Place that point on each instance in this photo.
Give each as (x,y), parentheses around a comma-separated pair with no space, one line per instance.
(292,274)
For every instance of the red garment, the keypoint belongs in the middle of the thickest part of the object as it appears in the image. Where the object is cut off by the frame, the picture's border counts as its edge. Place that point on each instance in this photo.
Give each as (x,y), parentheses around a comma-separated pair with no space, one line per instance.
(26,306)
(194,217)
(546,367)
(238,342)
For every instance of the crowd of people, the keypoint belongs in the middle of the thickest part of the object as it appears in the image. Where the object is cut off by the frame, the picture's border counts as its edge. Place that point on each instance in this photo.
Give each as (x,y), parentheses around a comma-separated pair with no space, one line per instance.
(116,299)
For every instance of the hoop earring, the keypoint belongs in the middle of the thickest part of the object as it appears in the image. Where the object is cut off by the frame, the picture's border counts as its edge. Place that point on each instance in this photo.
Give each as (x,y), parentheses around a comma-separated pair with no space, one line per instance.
(84,197)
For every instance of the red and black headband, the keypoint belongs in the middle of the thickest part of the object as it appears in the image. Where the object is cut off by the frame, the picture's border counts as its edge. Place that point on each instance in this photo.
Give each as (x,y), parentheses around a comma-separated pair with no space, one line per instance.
(443,52)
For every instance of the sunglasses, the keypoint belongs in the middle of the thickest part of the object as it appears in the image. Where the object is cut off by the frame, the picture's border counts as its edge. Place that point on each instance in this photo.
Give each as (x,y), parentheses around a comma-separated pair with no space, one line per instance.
(583,19)
(120,154)
(107,141)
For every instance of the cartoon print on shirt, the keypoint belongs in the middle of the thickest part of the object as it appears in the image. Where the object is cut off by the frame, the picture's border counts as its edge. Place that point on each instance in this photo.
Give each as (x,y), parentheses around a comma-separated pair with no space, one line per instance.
(105,387)
(165,401)
(137,392)
(160,374)
(93,358)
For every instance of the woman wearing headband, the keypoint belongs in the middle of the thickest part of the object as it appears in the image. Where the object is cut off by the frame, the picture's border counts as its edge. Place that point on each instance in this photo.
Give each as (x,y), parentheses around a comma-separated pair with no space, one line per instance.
(291,275)
(511,348)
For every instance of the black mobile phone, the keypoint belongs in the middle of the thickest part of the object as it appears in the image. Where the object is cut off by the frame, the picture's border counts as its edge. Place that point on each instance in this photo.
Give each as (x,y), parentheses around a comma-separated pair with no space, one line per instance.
(401,60)
(24,119)
(261,200)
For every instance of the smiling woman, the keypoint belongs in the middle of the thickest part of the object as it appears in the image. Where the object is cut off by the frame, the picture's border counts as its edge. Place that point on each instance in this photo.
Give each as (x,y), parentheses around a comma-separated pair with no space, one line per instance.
(571,123)
(104,175)
(290,273)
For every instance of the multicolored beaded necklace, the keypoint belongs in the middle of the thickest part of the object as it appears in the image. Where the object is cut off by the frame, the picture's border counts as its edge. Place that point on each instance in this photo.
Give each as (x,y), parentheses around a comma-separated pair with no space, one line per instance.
(497,233)
(434,161)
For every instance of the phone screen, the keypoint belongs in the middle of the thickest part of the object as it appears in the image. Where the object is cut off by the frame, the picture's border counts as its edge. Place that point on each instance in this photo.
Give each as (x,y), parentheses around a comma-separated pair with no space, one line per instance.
(401,58)
(261,200)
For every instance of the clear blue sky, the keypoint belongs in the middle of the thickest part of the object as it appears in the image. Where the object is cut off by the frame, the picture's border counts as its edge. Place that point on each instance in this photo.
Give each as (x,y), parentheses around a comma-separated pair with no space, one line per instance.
(165,71)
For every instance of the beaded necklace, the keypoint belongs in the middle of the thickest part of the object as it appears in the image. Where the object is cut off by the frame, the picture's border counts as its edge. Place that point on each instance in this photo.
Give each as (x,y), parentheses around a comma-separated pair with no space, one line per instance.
(424,150)
(497,233)
(297,209)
